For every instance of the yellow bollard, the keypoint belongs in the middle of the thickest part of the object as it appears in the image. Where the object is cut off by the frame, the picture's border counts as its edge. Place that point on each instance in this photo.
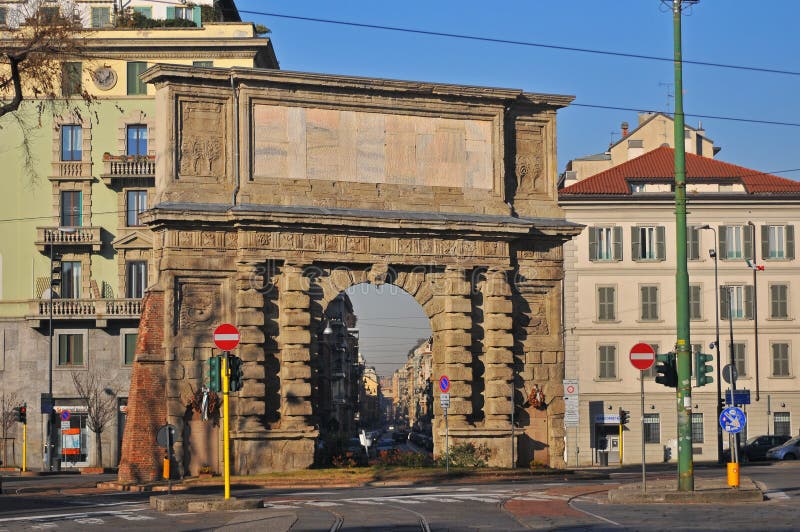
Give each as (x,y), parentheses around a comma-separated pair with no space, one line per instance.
(166,467)
(733,474)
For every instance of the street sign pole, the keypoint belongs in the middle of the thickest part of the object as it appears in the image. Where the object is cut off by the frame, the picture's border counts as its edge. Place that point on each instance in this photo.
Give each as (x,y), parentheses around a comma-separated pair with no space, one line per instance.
(642,357)
(446,444)
(226,454)
(641,397)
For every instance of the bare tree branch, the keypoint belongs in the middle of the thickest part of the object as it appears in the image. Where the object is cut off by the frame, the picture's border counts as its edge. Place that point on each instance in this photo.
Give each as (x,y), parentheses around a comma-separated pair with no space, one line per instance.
(101,405)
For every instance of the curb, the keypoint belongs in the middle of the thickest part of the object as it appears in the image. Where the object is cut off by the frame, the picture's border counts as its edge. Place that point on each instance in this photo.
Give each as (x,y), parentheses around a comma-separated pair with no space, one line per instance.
(708,492)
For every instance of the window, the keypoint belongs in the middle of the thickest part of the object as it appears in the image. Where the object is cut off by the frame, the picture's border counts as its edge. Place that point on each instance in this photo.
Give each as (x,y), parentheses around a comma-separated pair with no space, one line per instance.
(3,16)
(780,359)
(71,78)
(71,208)
(735,242)
(184,12)
(648,303)
(697,428)
(652,428)
(637,188)
(648,243)
(71,142)
(49,14)
(136,277)
(739,357)
(146,12)
(778,301)
(70,280)
(692,243)
(129,343)
(101,17)
(606,303)
(136,139)
(782,425)
(650,373)
(736,301)
(777,241)
(695,302)
(204,64)
(605,243)
(135,85)
(607,364)
(70,350)
(137,203)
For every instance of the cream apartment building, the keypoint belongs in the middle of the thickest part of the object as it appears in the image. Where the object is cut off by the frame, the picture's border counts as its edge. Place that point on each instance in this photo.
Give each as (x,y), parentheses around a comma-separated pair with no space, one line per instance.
(620,290)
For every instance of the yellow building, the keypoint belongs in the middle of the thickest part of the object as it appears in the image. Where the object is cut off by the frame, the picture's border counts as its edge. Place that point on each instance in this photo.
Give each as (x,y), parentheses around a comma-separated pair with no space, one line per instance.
(75,207)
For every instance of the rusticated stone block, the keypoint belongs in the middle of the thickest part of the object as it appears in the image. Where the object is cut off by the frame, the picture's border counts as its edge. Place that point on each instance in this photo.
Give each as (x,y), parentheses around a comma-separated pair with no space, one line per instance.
(457,355)
(249,406)
(293,282)
(533,357)
(295,336)
(549,357)
(499,355)
(296,389)
(249,299)
(410,282)
(457,304)
(252,370)
(452,338)
(495,372)
(176,372)
(295,371)
(497,406)
(251,335)
(251,388)
(448,321)
(499,339)
(498,389)
(459,389)
(248,316)
(295,318)
(184,353)
(498,305)
(302,408)
(295,354)
(250,352)
(457,372)
(496,284)
(294,300)
(457,407)
(498,322)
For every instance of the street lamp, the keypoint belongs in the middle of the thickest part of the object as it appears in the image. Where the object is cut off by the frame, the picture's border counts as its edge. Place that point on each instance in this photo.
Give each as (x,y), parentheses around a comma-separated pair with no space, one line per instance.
(48,442)
(755,306)
(713,254)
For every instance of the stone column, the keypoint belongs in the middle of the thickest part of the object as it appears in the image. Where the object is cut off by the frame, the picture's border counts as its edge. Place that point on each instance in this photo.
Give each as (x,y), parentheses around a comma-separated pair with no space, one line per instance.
(498,341)
(295,345)
(249,401)
(454,328)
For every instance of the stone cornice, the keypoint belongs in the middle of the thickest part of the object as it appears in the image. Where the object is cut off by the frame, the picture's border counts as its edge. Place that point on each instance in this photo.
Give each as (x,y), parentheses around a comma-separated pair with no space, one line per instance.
(161,73)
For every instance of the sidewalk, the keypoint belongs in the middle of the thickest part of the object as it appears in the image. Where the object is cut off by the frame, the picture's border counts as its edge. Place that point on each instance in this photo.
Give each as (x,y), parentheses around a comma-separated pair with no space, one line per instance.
(706,491)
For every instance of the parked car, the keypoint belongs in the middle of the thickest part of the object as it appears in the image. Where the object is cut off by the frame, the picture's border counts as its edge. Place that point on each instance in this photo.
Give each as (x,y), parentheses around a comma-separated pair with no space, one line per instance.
(788,451)
(756,447)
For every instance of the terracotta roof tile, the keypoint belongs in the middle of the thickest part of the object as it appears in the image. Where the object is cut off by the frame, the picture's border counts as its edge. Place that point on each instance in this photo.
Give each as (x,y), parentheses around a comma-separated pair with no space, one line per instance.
(660,163)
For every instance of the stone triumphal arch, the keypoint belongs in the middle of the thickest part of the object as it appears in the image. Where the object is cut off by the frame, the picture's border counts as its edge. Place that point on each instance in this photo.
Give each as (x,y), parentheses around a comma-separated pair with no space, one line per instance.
(277,190)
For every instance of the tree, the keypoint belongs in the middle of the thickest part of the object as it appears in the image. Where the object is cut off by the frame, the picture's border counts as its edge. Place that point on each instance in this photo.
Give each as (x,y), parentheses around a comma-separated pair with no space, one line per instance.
(8,422)
(40,35)
(101,406)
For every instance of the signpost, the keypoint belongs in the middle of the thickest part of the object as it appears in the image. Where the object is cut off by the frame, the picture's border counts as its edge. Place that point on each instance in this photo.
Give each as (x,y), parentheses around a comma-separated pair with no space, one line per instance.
(164,437)
(571,409)
(732,420)
(226,337)
(740,397)
(444,399)
(642,356)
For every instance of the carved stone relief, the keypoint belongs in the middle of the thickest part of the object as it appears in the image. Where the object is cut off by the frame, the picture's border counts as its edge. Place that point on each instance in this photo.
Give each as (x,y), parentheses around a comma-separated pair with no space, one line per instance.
(198,307)
(202,139)
(529,165)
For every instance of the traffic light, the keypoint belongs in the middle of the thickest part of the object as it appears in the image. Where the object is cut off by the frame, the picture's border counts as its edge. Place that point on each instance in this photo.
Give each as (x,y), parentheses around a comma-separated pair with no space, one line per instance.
(624,416)
(21,414)
(667,370)
(702,370)
(214,375)
(236,374)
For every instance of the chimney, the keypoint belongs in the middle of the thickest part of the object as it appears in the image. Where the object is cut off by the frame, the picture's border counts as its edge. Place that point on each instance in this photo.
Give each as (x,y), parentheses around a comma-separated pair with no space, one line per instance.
(624,129)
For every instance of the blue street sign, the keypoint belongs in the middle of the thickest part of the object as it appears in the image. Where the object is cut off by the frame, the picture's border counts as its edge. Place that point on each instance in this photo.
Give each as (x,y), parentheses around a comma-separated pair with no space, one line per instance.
(742,397)
(65,415)
(444,383)
(732,420)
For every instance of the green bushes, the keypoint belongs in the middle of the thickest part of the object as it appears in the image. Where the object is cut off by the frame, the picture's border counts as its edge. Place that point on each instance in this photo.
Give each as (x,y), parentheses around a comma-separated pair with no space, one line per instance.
(467,455)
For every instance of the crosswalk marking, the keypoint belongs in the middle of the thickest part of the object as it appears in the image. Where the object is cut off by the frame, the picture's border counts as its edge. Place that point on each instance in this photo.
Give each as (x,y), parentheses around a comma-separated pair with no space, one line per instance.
(777,494)
(322,503)
(90,521)
(132,517)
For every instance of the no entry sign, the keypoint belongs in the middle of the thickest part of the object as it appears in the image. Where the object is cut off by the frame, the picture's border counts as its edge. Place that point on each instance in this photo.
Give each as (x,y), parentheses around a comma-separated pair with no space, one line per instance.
(642,356)
(226,337)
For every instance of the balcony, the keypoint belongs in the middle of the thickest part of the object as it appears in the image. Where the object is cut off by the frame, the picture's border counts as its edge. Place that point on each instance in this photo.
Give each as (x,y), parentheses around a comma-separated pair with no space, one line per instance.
(119,168)
(74,238)
(100,310)
(71,171)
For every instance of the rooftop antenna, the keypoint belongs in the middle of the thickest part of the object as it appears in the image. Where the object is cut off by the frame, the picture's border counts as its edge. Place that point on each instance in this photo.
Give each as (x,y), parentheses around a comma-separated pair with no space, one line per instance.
(611,141)
(670,94)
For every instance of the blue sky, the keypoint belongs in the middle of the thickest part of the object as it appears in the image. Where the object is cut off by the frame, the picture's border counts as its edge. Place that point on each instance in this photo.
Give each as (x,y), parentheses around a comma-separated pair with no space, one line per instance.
(739,32)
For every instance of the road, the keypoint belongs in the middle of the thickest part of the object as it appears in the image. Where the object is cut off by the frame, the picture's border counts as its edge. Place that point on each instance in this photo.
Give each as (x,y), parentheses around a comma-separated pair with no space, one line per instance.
(70,503)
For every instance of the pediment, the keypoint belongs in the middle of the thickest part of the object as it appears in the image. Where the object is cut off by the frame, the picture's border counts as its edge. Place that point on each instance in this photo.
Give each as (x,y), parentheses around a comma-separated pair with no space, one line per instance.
(134,240)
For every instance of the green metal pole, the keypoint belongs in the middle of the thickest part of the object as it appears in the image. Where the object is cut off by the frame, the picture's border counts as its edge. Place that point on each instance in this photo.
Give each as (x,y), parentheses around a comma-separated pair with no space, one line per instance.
(682,346)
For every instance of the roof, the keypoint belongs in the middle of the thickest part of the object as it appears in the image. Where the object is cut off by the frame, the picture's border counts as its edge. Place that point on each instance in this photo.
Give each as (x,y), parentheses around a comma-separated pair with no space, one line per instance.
(650,117)
(659,165)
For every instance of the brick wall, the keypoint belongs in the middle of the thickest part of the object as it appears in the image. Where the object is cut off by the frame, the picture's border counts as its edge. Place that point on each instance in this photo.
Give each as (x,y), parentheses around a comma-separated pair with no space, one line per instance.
(147,409)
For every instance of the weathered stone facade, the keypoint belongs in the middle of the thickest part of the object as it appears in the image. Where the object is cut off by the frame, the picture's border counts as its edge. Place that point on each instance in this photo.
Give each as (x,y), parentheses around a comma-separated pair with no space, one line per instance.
(278,190)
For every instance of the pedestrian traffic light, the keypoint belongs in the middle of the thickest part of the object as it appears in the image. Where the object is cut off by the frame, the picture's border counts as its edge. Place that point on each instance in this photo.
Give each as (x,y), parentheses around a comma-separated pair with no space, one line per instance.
(624,416)
(667,370)
(236,374)
(214,375)
(702,370)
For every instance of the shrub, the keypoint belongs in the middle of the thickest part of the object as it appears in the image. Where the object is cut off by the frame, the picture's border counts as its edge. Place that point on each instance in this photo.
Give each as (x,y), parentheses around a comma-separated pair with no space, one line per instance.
(396,458)
(467,455)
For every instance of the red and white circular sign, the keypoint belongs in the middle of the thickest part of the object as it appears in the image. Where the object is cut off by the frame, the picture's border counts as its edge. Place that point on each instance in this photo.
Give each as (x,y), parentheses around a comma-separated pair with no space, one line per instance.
(642,356)
(570,389)
(226,337)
